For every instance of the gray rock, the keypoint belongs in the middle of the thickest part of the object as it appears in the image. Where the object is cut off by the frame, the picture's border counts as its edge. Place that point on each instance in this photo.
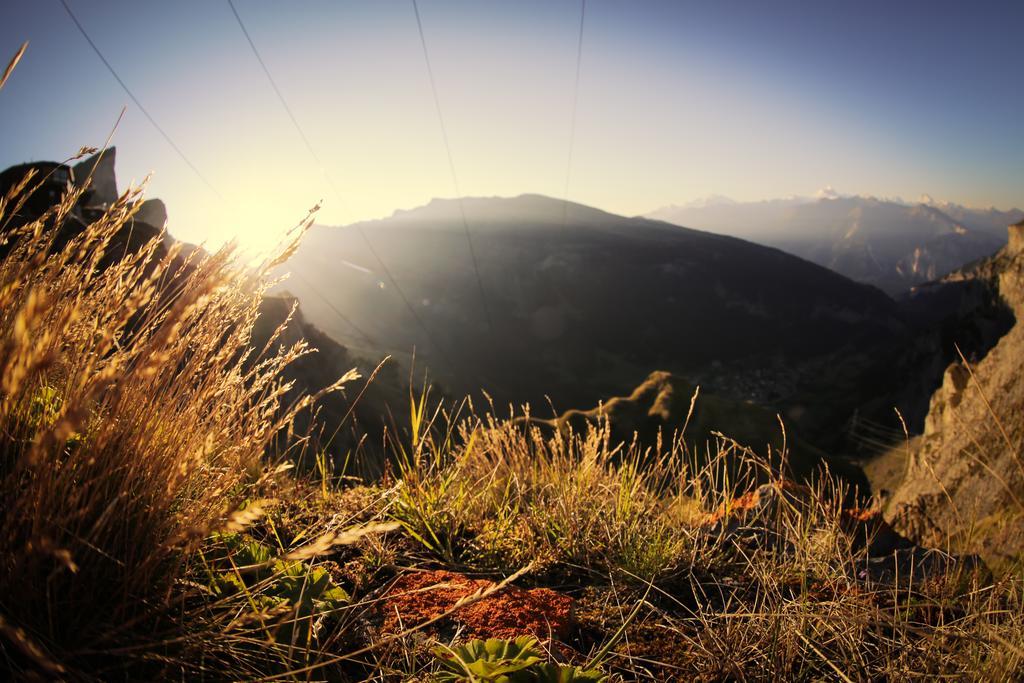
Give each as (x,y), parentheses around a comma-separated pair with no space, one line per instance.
(965,475)
(104,182)
(153,212)
(910,566)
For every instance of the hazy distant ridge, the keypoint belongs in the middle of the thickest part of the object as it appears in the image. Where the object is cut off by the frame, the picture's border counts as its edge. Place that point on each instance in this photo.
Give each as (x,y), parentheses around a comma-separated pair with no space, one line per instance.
(885,242)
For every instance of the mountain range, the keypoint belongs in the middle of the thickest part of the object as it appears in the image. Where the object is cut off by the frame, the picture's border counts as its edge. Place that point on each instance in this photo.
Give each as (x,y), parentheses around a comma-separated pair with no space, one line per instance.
(575,309)
(563,306)
(884,242)
(580,305)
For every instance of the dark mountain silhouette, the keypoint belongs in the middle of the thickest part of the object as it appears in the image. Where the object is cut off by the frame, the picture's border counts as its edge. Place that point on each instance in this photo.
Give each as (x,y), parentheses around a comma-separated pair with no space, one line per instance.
(48,183)
(881,242)
(578,312)
(349,425)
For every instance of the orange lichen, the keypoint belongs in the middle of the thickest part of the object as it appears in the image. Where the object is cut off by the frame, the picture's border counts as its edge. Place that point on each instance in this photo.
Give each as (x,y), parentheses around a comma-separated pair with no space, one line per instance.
(743,504)
(862,514)
(418,597)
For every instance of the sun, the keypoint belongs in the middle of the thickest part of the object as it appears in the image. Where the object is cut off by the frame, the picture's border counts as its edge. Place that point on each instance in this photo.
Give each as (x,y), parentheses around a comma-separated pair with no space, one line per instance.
(256,225)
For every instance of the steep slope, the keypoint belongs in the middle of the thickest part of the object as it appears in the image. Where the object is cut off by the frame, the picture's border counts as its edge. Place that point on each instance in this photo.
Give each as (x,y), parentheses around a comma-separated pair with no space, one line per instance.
(577,312)
(885,243)
(964,476)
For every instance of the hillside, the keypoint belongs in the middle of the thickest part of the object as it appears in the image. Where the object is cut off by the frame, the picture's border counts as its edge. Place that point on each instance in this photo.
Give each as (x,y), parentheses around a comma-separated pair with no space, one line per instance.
(581,312)
(886,243)
(350,425)
(351,431)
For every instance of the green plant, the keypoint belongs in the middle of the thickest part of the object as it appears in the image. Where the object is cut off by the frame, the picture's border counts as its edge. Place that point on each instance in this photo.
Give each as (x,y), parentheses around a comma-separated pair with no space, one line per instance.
(502,495)
(299,592)
(564,673)
(506,661)
(433,489)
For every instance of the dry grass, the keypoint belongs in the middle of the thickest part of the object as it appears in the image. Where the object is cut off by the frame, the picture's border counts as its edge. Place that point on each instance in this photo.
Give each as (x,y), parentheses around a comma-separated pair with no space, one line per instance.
(631,536)
(513,495)
(134,417)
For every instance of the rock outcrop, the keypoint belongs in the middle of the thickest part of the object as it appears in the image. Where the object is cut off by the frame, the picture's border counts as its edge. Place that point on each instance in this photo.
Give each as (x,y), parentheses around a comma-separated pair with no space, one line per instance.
(964,479)
(98,171)
(152,212)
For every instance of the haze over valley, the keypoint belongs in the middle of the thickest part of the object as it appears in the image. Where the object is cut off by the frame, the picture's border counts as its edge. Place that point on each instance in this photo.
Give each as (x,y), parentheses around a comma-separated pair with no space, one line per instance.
(889,243)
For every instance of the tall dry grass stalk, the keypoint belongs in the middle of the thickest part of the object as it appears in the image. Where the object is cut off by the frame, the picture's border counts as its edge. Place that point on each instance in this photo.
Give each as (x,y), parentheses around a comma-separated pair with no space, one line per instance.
(133,416)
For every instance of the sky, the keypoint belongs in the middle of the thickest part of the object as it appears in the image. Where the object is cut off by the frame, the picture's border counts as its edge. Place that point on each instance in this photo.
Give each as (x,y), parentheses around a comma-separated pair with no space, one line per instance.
(676,100)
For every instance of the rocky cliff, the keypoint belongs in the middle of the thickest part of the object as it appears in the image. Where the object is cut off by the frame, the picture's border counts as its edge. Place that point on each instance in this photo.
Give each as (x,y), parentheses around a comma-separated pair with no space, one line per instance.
(964,477)
(98,171)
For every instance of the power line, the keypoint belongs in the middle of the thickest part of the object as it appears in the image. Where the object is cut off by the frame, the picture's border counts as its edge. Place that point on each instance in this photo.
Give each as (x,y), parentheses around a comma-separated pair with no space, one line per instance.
(277,91)
(451,168)
(184,158)
(138,104)
(387,272)
(572,120)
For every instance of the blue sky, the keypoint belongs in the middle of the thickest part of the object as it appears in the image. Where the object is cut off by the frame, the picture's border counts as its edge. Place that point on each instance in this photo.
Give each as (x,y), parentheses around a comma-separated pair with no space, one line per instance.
(677,100)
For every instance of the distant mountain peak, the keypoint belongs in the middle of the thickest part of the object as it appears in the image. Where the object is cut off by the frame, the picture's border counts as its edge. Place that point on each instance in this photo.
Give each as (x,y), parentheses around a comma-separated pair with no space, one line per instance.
(828,192)
(529,207)
(710,200)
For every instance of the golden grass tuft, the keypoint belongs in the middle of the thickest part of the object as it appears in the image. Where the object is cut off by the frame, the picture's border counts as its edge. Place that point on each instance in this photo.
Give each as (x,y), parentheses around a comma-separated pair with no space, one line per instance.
(133,416)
